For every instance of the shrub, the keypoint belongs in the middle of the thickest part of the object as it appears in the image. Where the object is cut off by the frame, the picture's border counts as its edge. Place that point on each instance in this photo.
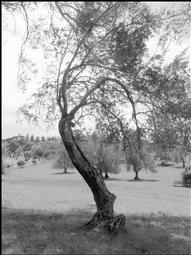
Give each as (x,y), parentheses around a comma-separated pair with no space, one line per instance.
(34,161)
(28,146)
(20,163)
(47,154)
(3,156)
(37,151)
(186,177)
(27,155)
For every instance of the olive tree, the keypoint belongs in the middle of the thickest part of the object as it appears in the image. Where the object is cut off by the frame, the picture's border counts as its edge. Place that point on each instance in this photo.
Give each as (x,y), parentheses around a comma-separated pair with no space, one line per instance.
(94,53)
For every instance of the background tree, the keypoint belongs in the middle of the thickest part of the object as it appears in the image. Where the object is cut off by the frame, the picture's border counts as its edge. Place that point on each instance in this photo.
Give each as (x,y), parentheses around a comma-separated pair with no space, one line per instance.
(43,139)
(32,138)
(37,151)
(37,139)
(62,160)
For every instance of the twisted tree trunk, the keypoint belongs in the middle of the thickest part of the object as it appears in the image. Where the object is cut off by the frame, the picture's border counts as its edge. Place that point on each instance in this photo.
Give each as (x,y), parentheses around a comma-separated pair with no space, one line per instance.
(103,198)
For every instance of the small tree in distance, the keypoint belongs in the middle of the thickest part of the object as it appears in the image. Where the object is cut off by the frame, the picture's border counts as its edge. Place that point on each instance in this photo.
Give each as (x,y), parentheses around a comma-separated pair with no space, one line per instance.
(106,161)
(62,160)
(32,138)
(147,162)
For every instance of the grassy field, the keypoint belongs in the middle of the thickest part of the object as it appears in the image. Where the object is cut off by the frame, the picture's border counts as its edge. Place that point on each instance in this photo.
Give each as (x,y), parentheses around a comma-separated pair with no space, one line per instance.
(33,232)
(42,209)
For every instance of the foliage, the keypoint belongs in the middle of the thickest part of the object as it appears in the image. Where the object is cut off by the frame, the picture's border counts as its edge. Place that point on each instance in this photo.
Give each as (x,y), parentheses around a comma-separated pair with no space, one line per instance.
(106,160)
(95,62)
(47,154)
(37,151)
(62,159)
(20,163)
(27,146)
(34,161)
(12,147)
(4,154)
(27,155)
(136,154)
(186,176)
(32,138)
(102,155)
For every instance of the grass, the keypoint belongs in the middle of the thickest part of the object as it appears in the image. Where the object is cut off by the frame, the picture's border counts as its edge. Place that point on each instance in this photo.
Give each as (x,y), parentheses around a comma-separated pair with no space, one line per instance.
(34,232)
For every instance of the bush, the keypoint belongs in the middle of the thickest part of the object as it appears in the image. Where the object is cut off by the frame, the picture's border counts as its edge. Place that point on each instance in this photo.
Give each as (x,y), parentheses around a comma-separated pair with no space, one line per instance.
(3,156)
(34,161)
(20,163)
(37,151)
(186,177)
(27,155)
(47,154)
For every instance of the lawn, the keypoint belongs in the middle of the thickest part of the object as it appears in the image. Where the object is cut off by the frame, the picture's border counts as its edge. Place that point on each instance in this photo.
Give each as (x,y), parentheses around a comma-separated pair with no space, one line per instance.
(35,232)
(42,209)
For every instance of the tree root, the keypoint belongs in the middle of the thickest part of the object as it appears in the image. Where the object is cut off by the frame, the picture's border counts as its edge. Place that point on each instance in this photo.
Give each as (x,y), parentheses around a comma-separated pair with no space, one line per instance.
(107,225)
(115,225)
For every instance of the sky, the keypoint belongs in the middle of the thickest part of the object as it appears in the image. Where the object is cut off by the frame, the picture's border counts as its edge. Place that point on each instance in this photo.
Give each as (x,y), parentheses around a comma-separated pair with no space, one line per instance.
(13,97)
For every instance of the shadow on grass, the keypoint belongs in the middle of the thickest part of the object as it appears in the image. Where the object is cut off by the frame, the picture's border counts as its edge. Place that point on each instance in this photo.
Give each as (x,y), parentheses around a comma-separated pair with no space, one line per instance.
(64,173)
(34,232)
(143,180)
(132,180)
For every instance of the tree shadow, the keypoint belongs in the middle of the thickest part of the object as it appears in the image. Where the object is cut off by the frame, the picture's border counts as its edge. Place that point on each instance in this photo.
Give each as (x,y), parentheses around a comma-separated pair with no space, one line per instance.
(169,234)
(132,180)
(143,180)
(63,173)
(114,179)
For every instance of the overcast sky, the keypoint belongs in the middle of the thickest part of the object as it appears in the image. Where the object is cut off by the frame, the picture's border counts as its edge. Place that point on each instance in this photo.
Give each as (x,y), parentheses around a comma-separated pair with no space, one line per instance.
(12,97)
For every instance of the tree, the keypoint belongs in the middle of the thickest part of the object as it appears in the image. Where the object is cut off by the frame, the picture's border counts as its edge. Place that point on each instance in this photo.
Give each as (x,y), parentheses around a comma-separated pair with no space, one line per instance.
(107,161)
(32,138)
(3,157)
(27,138)
(43,139)
(62,159)
(136,155)
(27,155)
(37,151)
(101,47)
(102,155)
(12,147)
(171,135)
(37,140)
(27,146)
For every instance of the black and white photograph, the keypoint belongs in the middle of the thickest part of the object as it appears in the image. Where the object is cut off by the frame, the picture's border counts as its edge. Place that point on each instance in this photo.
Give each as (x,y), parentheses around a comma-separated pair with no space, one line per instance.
(96,127)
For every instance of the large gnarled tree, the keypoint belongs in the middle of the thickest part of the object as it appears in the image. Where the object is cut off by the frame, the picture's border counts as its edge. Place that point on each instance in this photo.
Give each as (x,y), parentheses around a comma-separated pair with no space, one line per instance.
(95,53)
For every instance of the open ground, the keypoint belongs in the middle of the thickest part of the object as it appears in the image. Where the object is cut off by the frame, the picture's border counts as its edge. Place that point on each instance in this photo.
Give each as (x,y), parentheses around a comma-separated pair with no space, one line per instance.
(42,209)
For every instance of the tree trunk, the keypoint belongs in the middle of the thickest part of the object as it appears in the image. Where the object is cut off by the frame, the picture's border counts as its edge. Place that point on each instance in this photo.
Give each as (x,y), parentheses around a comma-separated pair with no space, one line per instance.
(65,170)
(103,198)
(136,175)
(183,162)
(106,176)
